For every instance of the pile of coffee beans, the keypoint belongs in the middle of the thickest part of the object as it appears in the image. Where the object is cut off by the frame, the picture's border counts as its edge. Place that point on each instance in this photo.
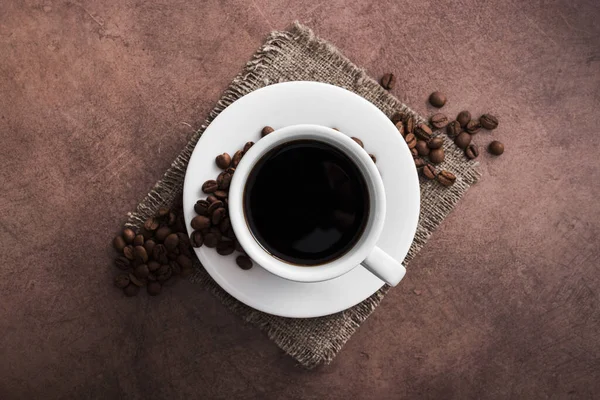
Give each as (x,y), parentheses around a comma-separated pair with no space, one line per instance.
(154,254)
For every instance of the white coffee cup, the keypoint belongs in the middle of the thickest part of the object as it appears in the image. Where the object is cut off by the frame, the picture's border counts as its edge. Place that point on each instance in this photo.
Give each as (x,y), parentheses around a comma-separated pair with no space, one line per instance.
(364,251)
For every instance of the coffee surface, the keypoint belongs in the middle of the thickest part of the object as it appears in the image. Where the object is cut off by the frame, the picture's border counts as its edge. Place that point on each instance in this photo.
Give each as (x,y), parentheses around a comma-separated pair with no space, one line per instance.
(306,203)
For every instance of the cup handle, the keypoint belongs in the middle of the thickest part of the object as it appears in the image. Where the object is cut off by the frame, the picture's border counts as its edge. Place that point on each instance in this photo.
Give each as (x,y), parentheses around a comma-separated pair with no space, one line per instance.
(383,266)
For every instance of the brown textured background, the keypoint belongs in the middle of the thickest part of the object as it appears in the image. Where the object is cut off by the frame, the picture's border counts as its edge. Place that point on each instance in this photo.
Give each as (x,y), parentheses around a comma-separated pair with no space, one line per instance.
(97,98)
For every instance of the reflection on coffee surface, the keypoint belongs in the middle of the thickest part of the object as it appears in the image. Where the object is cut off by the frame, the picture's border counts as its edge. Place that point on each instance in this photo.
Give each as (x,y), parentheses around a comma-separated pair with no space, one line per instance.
(306,202)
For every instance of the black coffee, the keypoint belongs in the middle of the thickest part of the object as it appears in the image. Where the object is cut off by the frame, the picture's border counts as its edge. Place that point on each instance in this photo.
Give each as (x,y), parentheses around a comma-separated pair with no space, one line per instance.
(306,202)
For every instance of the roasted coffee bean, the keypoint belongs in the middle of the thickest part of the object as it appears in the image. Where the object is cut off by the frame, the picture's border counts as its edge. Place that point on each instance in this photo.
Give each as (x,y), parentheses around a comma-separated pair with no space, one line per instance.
(419,162)
(184,240)
(139,240)
(146,233)
(438,121)
(224,225)
(435,143)
(422,147)
(446,178)
(175,267)
(159,253)
(185,262)
(244,262)
(164,273)
(171,241)
(151,224)
(128,235)
(437,156)
(131,290)
(247,146)
(153,265)
(211,240)
(223,160)
(162,213)
(411,140)
(496,148)
(179,225)
(129,253)
(221,195)
(210,186)
(201,207)
(237,157)
(197,239)
(141,256)
(400,127)
(437,99)
(173,255)
(154,288)
(472,152)
(223,180)
(230,170)
(225,247)
(121,280)
(373,158)
(119,243)
(397,117)
(151,277)
(429,171)
(141,271)
(357,140)
(463,118)
(200,222)
(218,216)
(488,121)
(453,129)
(423,132)
(409,125)
(162,233)
(214,206)
(171,219)
(388,81)
(473,127)
(137,281)
(266,130)
(230,234)
(185,250)
(122,262)
(414,152)
(211,199)
(462,140)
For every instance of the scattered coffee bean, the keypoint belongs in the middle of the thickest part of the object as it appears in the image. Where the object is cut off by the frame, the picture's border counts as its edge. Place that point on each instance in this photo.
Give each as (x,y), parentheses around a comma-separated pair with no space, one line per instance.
(373,157)
(388,81)
(422,147)
(244,262)
(397,117)
(136,281)
(218,216)
(211,199)
(435,143)
(437,99)
(162,233)
(453,129)
(122,262)
(141,257)
(139,240)
(151,277)
(211,240)
(462,140)
(224,180)
(128,235)
(437,156)
(131,290)
(164,273)
(411,140)
(200,222)
(159,253)
(400,127)
(429,171)
(409,125)
(223,160)
(446,178)
(210,186)
(175,267)
(151,224)
(201,207)
(146,233)
(496,148)
(197,239)
(423,132)
(171,241)
(225,247)
(142,271)
(266,130)
(357,140)
(438,121)
(162,212)
(154,288)
(419,162)
(153,265)
(171,219)
(414,151)
(221,195)
(488,121)
(237,157)
(247,147)
(473,127)
(129,253)
(121,280)
(472,152)
(214,206)
(463,118)
(119,243)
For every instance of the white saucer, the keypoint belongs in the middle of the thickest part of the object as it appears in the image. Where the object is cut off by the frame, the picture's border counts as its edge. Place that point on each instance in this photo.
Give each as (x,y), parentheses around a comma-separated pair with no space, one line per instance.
(307,103)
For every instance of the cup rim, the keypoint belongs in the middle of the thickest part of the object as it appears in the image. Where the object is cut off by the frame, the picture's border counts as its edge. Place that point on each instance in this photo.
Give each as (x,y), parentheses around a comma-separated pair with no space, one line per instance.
(371,232)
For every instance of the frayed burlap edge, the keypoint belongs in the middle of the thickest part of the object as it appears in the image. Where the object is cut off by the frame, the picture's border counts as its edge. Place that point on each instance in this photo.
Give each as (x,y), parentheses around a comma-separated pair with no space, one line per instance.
(436,201)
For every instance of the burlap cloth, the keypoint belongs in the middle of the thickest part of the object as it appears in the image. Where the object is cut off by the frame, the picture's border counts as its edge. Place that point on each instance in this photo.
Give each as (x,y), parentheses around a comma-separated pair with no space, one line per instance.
(292,55)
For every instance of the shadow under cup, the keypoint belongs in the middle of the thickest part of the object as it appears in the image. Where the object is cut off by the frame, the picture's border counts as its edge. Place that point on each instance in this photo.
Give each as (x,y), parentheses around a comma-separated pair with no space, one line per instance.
(306,202)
